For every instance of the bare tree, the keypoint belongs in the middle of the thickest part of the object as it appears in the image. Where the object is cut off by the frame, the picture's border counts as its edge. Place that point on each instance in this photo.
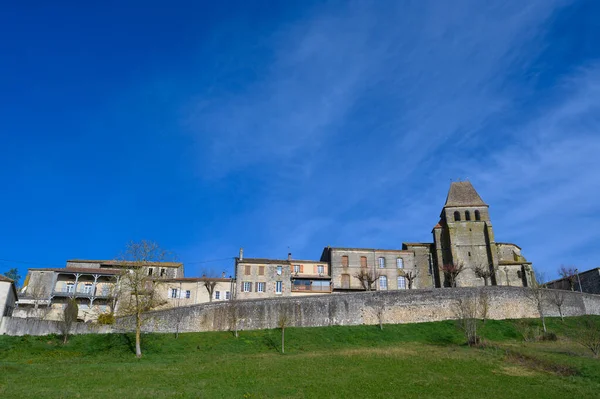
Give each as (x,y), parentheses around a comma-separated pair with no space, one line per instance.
(557,298)
(380,312)
(466,312)
(283,322)
(484,272)
(569,274)
(589,335)
(484,305)
(537,295)
(505,270)
(367,278)
(451,271)
(139,293)
(410,276)
(233,315)
(179,314)
(68,317)
(210,287)
(40,295)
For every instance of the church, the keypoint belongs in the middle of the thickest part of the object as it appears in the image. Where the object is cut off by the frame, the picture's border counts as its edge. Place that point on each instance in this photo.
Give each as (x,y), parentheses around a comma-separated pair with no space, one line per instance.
(464,253)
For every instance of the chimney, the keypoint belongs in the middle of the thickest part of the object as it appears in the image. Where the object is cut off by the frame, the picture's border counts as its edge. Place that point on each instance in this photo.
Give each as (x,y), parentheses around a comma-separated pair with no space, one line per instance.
(289,256)
(223,275)
(241,257)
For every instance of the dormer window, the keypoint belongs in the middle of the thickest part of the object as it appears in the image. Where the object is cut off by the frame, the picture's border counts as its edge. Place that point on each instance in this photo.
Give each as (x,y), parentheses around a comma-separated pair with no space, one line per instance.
(456,216)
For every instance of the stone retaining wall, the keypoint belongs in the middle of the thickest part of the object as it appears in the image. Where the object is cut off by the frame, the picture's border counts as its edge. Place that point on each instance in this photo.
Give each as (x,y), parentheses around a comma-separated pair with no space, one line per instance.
(19,326)
(403,306)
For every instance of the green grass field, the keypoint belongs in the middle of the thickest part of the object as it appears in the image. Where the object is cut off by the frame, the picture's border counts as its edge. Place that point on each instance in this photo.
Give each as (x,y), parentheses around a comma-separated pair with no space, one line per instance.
(412,360)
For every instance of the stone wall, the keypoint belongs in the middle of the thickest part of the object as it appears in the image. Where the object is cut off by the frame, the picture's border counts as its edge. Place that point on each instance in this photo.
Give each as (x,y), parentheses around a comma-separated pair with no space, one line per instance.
(404,306)
(18,326)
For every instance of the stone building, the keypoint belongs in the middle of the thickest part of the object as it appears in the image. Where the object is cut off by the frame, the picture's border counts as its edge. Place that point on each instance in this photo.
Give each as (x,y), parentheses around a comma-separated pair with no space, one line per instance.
(588,281)
(187,291)
(261,278)
(389,268)
(8,296)
(46,291)
(464,237)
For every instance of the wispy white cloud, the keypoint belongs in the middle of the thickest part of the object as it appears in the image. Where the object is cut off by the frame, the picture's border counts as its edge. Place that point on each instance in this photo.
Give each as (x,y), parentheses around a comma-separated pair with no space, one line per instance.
(364,112)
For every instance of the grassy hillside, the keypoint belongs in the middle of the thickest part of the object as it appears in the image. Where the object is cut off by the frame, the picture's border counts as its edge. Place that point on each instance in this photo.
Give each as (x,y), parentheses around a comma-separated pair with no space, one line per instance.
(416,360)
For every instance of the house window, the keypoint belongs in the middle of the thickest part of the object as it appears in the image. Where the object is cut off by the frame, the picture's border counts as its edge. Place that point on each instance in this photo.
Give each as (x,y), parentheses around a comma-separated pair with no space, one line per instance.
(227,295)
(247,270)
(188,294)
(173,292)
(456,216)
(345,261)
(261,270)
(279,270)
(381,263)
(87,288)
(247,286)
(400,263)
(296,269)
(477,215)
(321,269)
(382,282)
(363,261)
(150,271)
(260,287)
(467,215)
(70,287)
(346,281)
(401,283)
(217,295)
(278,287)
(163,272)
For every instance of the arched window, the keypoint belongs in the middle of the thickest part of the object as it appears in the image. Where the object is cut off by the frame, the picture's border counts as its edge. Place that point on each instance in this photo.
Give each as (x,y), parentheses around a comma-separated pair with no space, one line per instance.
(456,216)
(477,215)
(467,215)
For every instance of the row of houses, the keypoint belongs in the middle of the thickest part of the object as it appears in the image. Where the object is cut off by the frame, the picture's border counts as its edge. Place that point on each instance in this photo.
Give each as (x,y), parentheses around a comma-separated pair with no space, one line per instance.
(463,239)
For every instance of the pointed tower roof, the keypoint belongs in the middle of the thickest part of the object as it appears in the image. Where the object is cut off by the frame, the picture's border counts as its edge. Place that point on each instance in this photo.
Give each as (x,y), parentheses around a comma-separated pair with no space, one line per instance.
(462,193)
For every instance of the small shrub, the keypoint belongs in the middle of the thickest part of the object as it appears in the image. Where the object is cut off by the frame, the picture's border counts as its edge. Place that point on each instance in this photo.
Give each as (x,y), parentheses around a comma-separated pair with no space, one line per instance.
(549,336)
(106,318)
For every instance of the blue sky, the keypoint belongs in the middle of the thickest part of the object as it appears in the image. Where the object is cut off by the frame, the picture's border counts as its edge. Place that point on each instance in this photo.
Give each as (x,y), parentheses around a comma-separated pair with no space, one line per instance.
(276,125)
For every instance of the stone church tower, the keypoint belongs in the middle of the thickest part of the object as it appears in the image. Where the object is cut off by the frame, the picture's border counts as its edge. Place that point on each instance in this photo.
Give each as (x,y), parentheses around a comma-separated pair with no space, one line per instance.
(464,236)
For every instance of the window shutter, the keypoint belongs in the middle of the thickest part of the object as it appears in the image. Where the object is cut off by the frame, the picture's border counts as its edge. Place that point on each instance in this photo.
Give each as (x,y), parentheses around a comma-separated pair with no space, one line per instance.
(256,287)
(291,268)
(315,269)
(301,268)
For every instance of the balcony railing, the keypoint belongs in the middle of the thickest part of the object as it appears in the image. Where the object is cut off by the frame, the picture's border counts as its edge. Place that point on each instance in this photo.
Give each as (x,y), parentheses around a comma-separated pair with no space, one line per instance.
(80,293)
(310,288)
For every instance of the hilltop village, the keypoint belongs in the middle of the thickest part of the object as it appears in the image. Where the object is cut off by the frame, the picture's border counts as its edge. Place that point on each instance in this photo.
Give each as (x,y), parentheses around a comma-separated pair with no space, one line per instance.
(464,253)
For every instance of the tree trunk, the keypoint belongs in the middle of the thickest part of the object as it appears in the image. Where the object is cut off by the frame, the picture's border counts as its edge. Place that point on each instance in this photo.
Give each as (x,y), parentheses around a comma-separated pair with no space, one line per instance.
(65,339)
(138,331)
(543,321)
(283,340)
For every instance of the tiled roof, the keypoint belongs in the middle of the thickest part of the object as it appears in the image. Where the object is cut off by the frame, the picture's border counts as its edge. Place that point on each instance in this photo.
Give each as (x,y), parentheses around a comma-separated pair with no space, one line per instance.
(463,193)
(82,270)
(367,249)
(125,263)
(4,278)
